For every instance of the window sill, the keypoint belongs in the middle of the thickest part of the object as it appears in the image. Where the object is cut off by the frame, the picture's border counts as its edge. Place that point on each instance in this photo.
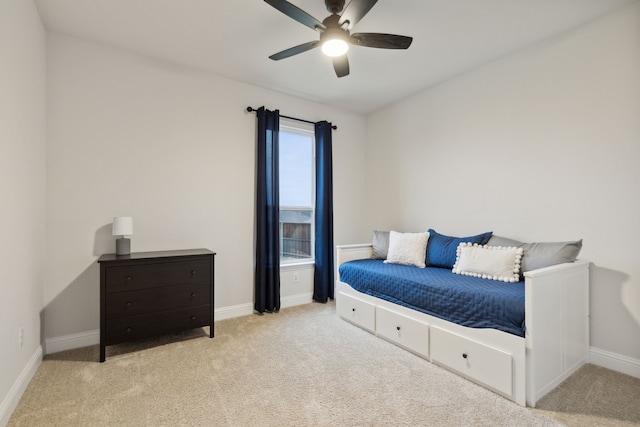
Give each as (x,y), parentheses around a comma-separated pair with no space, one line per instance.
(299,265)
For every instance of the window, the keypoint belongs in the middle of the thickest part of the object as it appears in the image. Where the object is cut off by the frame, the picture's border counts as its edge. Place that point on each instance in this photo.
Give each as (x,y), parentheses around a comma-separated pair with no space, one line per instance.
(297,193)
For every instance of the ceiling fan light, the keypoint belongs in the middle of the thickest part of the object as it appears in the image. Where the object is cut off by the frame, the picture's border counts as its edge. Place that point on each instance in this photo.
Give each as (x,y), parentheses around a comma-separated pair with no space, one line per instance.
(335,47)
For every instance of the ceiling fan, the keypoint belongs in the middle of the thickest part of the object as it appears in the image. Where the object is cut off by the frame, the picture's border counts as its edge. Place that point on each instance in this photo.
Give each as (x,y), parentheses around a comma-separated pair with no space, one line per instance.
(335,35)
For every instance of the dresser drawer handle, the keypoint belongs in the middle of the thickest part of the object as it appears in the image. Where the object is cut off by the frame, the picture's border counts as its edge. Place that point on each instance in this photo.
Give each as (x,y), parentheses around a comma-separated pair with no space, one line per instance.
(129,278)
(129,304)
(193,272)
(128,330)
(193,318)
(193,294)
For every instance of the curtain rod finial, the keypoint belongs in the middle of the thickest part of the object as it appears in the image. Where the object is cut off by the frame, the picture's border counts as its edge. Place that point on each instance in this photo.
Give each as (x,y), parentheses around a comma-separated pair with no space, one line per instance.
(250,109)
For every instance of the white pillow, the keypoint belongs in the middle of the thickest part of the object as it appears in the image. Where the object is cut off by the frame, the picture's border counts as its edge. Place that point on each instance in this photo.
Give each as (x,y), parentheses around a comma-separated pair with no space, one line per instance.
(407,248)
(489,262)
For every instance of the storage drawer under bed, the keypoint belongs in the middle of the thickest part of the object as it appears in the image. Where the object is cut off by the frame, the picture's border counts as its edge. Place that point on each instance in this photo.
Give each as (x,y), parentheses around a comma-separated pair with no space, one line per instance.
(488,365)
(402,330)
(356,311)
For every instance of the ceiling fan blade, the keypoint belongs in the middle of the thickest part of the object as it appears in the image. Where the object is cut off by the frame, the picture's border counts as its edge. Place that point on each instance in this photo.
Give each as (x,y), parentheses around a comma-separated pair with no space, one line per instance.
(341,65)
(382,41)
(355,11)
(298,14)
(294,50)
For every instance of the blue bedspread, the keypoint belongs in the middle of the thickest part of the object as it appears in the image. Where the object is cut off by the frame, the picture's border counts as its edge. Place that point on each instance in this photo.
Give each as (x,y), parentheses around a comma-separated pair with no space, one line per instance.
(465,300)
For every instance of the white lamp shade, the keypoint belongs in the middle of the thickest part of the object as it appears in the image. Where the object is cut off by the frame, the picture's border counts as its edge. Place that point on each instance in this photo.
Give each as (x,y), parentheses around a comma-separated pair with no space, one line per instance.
(123,226)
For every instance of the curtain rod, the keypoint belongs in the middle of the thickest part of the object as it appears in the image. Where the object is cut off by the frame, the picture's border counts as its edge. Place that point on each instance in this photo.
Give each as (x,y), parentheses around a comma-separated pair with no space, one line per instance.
(251,110)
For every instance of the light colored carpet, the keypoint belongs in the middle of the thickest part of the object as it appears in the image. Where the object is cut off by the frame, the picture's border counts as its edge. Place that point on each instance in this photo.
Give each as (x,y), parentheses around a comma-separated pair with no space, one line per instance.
(594,396)
(300,367)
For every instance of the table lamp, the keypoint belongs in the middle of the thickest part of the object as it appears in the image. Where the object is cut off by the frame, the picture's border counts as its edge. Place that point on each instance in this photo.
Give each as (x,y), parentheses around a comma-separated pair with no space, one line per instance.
(123,226)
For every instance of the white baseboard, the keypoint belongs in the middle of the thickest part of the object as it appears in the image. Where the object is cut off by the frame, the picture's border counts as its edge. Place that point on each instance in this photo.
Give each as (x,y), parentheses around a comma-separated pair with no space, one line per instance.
(294,300)
(233,311)
(69,342)
(87,338)
(12,399)
(615,362)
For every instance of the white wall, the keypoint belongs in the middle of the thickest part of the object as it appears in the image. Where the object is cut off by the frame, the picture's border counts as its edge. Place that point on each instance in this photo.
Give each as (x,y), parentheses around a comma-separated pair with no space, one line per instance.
(175,149)
(542,145)
(22,193)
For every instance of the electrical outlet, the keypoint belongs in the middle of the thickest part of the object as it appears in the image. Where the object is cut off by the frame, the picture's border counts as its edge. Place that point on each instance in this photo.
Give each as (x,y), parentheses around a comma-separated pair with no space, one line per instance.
(20,338)
(295,277)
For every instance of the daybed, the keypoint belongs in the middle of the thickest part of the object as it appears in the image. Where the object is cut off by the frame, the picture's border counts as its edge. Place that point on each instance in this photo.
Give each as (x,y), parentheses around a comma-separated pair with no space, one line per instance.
(521,361)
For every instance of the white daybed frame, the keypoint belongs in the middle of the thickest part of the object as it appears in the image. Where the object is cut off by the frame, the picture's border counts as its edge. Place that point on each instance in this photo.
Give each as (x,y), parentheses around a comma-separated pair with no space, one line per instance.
(555,345)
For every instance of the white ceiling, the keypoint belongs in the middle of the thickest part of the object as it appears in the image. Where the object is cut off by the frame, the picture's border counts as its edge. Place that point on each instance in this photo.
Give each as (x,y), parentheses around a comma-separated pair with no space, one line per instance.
(234,38)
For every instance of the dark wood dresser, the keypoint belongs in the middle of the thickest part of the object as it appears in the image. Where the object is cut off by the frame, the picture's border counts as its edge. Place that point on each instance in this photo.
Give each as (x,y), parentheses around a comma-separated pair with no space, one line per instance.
(147,294)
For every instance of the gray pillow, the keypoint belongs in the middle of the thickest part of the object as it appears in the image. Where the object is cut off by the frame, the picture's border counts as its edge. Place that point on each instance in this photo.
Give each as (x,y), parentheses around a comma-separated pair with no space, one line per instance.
(541,254)
(502,241)
(380,244)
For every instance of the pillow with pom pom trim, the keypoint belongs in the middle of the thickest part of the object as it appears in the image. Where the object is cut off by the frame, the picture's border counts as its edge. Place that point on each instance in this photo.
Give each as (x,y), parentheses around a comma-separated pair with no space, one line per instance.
(488,262)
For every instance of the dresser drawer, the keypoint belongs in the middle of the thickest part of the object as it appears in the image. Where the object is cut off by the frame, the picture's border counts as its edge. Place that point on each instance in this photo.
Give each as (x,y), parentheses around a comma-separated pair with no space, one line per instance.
(149,325)
(399,329)
(356,311)
(142,276)
(143,301)
(487,365)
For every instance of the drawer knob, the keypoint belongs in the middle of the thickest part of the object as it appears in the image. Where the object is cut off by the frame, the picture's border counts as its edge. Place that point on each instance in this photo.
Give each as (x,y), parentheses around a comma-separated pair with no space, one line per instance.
(193,272)
(129,330)
(193,318)
(193,294)
(464,355)
(128,278)
(129,303)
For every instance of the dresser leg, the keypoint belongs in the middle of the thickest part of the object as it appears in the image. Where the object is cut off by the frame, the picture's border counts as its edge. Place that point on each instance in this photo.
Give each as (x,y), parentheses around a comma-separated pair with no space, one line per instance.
(102,353)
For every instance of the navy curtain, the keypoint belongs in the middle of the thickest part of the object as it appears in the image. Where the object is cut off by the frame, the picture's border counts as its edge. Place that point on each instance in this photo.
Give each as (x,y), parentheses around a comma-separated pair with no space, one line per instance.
(267,274)
(323,276)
